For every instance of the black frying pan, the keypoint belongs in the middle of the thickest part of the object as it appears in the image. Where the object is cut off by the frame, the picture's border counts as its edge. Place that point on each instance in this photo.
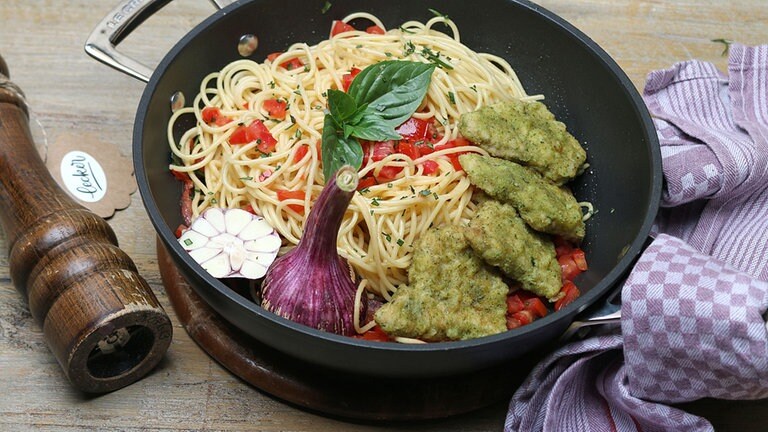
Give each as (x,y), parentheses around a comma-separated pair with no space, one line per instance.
(583,87)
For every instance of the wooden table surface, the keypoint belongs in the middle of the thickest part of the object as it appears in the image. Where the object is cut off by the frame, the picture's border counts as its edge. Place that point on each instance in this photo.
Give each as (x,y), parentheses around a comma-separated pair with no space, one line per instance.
(42,42)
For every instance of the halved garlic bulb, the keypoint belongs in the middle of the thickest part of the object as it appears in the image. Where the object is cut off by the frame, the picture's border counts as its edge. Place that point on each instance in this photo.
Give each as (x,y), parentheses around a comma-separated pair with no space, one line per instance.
(231,243)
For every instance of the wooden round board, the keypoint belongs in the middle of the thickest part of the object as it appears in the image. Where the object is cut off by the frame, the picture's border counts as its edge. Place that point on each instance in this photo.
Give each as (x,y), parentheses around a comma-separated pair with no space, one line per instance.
(323,390)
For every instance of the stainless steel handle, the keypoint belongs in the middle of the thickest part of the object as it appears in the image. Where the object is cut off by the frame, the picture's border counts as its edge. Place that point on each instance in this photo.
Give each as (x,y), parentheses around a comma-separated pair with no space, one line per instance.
(119,23)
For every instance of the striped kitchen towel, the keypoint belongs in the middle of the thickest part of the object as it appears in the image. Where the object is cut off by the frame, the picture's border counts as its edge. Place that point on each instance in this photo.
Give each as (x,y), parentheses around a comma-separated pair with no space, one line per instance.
(692,308)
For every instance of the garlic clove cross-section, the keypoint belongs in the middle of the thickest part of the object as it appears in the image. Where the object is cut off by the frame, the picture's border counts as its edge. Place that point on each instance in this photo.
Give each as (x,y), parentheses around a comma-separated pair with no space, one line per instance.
(231,243)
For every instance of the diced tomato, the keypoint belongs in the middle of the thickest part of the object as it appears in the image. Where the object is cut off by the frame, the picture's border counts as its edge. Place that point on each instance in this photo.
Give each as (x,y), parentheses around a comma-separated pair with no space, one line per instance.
(524,307)
(519,319)
(256,131)
(514,304)
(181,176)
(346,79)
(249,209)
(568,266)
(536,306)
(275,108)
(291,64)
(260,133)
(580,259)
(570,293)
(284,195)
(294,63)
(339,27)
(273,56)
(382,149)
(388,173)
(366,182)
(425,148)
(374,334)
(300,153)
(374,29)
(414,129)
(180,230)
(430,167)
(213,115)
(407,148)
(454,157)
(572,261)
(239,136)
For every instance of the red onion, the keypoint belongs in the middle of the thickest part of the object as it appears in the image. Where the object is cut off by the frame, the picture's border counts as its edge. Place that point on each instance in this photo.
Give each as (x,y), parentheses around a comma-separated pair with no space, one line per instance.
(312,284)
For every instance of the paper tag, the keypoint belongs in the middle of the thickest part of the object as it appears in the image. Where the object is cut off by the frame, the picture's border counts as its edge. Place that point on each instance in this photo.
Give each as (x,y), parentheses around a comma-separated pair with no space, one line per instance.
(91,171)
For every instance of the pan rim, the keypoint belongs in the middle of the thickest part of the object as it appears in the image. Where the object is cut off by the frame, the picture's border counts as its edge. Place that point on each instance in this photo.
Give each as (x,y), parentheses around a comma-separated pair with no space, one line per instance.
(590,297)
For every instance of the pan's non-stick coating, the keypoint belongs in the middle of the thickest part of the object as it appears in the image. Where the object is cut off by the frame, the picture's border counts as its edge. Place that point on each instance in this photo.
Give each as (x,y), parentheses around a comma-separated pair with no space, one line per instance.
(582,85)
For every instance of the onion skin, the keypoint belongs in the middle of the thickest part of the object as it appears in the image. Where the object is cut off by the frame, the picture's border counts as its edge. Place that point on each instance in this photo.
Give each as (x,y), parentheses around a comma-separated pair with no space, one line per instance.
(312,284)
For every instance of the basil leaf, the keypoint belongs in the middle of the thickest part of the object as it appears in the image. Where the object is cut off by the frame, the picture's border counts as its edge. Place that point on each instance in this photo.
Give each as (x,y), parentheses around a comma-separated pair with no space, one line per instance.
(338,150)
(341,105)
(392,89)
(373,128)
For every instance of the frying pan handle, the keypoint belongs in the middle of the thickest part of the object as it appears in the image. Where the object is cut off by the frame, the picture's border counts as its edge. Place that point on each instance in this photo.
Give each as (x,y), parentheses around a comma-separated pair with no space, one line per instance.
(119,23)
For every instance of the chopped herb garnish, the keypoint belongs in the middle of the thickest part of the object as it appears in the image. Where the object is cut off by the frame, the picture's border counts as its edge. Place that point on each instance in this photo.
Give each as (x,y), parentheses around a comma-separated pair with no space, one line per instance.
(271,84)
(293,119)
(400,242)
(405,30)
(297,91)
(413,191)
(326,7)
(306,68)
(434,57)
(388,54)
(246,178)
(371,212)
(389,185)
(437,197)
(726,45)
(425,192)
(364,190)
(409,48)
(187,242)
(278,168)
(297,134)
(439,14)
(387,236)
(473,87)
(375,202)
(213,201)
(452,98)
(324,94)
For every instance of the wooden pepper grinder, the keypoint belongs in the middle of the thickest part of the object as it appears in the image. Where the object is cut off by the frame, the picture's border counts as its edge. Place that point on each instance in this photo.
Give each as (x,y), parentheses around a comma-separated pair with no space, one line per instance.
(99,316)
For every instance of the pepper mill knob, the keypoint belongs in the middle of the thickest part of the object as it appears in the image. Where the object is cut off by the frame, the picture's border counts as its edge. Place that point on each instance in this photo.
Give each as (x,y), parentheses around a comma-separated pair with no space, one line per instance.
(99,317)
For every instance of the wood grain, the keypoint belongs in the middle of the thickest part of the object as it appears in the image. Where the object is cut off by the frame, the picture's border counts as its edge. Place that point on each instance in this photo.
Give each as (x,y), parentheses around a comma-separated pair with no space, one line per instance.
(42,42)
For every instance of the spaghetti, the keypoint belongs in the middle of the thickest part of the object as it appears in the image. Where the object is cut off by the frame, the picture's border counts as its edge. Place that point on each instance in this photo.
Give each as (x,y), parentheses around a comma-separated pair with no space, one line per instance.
(280,184)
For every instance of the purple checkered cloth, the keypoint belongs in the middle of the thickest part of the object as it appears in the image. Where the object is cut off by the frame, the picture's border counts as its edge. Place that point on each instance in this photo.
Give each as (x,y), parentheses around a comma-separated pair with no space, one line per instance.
(692,308)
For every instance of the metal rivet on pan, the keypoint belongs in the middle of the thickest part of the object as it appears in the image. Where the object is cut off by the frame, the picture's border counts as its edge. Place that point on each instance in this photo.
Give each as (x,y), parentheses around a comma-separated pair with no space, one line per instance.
(247,44)
(177,101)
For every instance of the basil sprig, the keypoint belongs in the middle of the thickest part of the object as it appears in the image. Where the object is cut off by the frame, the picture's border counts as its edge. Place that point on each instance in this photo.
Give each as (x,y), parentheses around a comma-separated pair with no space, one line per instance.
(380,98)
